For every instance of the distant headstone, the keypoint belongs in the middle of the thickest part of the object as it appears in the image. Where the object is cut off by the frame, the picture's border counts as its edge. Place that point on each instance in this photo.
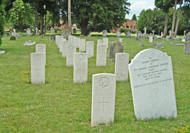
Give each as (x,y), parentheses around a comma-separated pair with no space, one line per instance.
(106,40)
(90,49)
(37,68)
(103,99)
(63,44)
(89,36)
(121,40)
(159,45)
(136,37)
(118,33)
(101,55)
(82,46)
(151,38)
(29,43)
(142,44)
(104,33)
(41,48)
(162,34)
(52,37)
(36,31)
(145,30)
(28,32)
(152,85)
(154,41)
(121,66)
(128,34)
(115,48)
(57,39)
(187,44)
(80,71)
(12,38)
(70,50)
(2,52)
(52,30)
(139,34)
(153,32)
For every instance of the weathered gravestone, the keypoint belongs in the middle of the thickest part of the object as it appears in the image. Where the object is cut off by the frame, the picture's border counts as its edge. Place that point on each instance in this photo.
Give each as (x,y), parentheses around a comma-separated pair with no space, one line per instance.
(118,33)
(151,38)
(90,49)
(115,48)
(152,85)
(128,34)
(187,44)
(136,37)
(70,50)
(103,99)
(52,30)
(89,36)
(104,33)
(36,31)
(159,45)
(82,45)
(37,68)
(139,34)
(121,40)
(12,38)
(121,66)
(101,55)
(57,37)
(142,44)
(154,41)
(63,44)
(106,40)
(52,37)
(41,48)
(28,32)
(78,42)
(80,71)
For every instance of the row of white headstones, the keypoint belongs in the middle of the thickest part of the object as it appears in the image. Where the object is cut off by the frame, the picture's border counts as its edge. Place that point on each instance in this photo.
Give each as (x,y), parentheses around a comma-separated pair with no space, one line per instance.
(151,78)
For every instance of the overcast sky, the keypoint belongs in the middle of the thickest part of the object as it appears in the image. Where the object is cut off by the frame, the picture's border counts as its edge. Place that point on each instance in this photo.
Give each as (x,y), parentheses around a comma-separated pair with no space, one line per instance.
(138,5)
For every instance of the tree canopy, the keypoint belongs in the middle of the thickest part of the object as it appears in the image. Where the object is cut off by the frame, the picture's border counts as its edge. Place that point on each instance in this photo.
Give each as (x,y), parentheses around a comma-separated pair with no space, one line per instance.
(1,21)
(134,17)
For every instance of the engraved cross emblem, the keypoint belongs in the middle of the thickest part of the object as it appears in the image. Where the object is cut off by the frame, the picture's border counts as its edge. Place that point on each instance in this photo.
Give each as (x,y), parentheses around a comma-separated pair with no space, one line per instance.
(103,104)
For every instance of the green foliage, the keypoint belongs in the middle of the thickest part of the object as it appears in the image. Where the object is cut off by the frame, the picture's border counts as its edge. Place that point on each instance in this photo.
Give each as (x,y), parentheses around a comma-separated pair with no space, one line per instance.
(155,19)
(1,22)
(123,30)
(164,4)
(21,14)
(134,18)
(74,30)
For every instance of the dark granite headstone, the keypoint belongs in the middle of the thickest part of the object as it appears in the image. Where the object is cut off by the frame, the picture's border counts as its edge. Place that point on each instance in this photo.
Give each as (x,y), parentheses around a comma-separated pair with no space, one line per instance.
(115,48)
(12,38)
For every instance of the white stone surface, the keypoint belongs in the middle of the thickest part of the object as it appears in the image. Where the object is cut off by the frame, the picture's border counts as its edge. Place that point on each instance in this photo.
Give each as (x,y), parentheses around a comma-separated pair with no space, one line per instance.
(101,55)
(90,49)
(28,32)
(99,41)
(80,68)
(106,40)
(78,42)
(118,33)
(121,40)
(152,85)
(37,68)
(103,99)
(60,44)
(63,47)
(70,50)
(151,38)
(121,66)
(42,49)
(2,52)
(82,46)
(57,38)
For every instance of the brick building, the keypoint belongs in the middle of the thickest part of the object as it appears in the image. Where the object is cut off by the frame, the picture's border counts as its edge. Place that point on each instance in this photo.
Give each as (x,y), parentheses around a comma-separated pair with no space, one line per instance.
(130,24)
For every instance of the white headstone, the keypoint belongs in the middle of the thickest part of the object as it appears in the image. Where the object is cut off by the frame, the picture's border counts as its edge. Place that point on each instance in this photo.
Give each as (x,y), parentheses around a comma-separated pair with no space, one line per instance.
(121,40)
(90,49)
(36,31)
(78,42)
(101,55)
(145,30)
(37,68)
(82,46)
(63,47)
(70,50)
(42,49)
(57,37)
(121,66)
(103,99)
(28,32)
(104,33)
(100,42)
(106,41)
(80,71)
(152,85)
(118,33)
(52,30)
(151,38)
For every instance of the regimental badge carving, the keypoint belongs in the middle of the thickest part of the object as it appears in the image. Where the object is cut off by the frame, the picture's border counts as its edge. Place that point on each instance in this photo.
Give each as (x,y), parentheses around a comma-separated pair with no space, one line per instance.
(81,57)
(104,82)
(37,57)
(122,57)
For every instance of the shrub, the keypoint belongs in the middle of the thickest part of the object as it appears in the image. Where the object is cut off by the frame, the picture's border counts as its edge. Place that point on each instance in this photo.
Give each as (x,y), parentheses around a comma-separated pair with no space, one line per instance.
(123,30)
(1,22)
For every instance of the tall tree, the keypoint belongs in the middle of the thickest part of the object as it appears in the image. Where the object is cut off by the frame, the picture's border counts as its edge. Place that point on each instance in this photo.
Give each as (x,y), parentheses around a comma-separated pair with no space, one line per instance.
(1,21)
(134,18)
(165,5)
(173,23)
(69,16)
(178,18)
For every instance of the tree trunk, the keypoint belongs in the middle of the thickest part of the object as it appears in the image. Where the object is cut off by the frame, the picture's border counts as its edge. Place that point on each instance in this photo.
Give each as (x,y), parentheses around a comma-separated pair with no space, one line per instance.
(178,18)
(36,18)
(41,27)
(166,25)
(45,26)
(20,24)
(173,23)
(84,25)
(69,16)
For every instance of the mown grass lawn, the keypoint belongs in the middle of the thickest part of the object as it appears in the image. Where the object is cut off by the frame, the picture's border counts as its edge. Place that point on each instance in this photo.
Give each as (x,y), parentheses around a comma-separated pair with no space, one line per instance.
(61,106)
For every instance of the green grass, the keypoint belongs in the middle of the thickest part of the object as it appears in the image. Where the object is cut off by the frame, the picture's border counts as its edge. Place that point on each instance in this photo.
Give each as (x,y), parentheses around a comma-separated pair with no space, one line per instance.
(61,106)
